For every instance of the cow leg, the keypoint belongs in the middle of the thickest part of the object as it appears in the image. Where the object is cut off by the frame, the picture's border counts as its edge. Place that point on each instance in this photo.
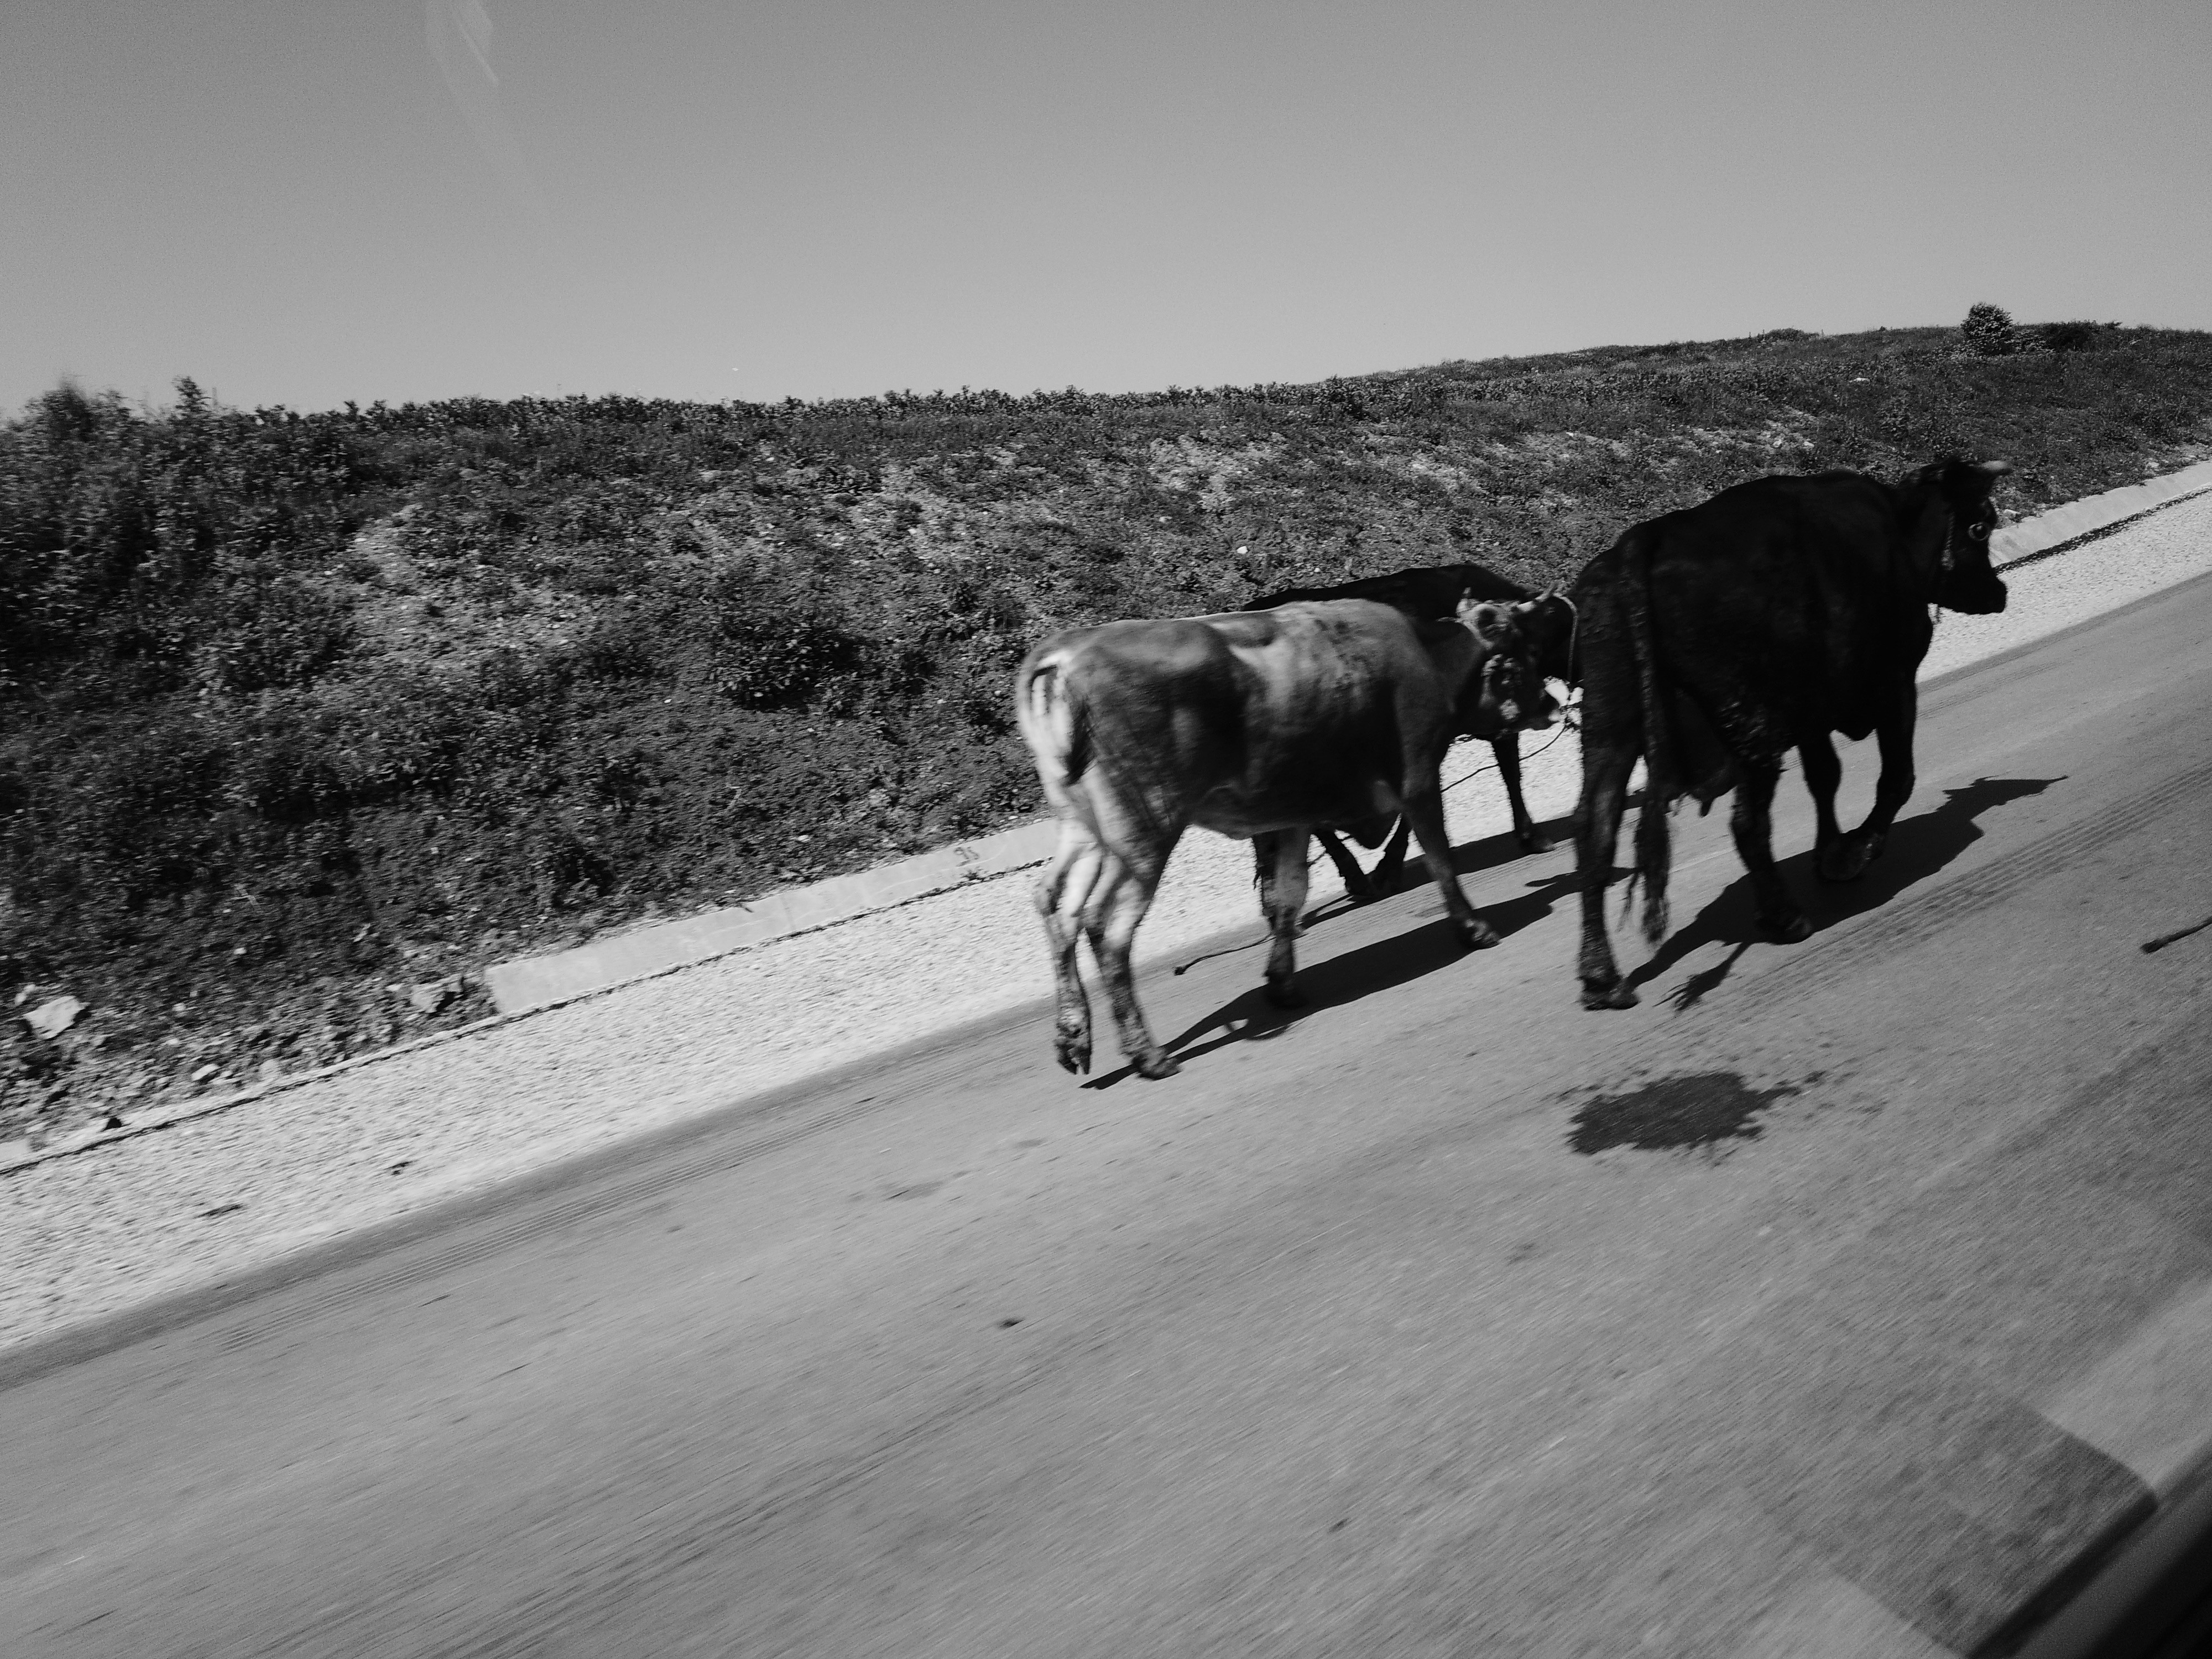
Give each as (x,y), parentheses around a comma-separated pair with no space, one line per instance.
(1606,769)
(1063,893)
(1358,884)
(1110,920)
(1393,862)
(1425,811)
(1893,788)
(1823,775)
(1751,822)
(1282,900)
(1506,745)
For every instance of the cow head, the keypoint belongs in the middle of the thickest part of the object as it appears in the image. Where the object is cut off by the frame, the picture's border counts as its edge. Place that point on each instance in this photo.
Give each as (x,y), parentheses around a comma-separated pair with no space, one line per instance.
(1961,517)
(1507,689)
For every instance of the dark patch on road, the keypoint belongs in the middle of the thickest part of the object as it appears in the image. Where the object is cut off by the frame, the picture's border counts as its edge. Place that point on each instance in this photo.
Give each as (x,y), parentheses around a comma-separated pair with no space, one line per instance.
(1697,1110)
(2176,935)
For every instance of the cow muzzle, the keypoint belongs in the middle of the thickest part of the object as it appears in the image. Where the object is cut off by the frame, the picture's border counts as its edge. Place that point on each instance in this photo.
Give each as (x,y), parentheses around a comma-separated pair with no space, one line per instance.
(1980,595)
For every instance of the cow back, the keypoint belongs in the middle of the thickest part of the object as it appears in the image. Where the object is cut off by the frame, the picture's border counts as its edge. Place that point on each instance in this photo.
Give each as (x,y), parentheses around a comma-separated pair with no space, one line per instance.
(1434,594)
(1423,593)
(1311,713)
(1783,605)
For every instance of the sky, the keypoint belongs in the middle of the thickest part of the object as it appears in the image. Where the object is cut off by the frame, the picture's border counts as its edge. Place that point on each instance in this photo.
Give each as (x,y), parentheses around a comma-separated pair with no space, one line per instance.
(304,202)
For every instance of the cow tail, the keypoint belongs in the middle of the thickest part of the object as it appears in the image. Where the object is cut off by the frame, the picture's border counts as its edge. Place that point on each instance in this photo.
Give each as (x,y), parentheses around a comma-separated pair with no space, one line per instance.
(1662,783)
(1055,721)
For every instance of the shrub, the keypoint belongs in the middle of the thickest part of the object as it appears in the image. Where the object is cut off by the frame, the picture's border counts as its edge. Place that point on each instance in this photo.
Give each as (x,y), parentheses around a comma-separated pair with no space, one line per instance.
(1989,331)
(285,634)
(621,646)
(775,639)
(2078,337)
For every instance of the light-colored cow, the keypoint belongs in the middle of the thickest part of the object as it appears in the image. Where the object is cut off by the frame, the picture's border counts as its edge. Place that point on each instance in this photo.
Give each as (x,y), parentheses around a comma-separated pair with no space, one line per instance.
(1261,725)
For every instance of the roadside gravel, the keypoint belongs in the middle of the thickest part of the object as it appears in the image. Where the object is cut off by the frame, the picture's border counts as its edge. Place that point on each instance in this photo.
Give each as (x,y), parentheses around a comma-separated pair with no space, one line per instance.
(209,1199)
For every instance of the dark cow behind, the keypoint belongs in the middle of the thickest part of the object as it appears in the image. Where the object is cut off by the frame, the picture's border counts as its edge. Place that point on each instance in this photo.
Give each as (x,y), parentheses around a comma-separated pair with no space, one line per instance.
(1259,725)
(1429,592)
(1714,640)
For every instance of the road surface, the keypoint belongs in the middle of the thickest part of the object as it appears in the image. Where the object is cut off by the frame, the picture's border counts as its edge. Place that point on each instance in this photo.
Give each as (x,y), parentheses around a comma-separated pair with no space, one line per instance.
(1844,1297)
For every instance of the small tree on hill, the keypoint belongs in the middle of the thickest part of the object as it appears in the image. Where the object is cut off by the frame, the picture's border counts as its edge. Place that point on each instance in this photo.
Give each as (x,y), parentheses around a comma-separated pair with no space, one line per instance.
(1989,331)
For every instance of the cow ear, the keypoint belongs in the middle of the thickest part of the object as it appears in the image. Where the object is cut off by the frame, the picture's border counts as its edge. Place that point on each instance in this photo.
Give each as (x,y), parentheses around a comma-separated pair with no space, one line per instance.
(1972,480)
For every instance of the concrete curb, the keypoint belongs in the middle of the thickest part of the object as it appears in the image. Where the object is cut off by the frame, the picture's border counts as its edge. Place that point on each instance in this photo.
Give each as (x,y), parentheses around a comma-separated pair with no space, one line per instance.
(537,981)
(2062,525)
(127,1126)
(780,915)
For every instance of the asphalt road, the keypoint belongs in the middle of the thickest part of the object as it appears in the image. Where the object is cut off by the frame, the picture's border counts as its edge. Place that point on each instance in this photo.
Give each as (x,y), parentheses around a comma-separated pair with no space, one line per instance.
(1843,1297)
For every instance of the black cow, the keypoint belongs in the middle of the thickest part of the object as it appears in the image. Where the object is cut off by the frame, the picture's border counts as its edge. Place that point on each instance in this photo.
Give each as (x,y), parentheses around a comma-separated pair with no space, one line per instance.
(1716,639)
(1426,594)
(1258,725)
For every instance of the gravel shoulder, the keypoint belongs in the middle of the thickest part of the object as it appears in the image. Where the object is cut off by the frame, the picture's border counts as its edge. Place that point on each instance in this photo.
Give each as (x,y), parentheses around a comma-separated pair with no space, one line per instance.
(212,1198)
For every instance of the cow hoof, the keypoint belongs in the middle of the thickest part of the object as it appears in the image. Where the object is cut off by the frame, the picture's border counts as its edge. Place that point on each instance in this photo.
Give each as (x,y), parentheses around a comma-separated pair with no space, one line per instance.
(1156,1065)
(1848,859)
(1478,935)
(1073,1056)
(1615,995)
(1285,993)
(1536,843)
(1790,929)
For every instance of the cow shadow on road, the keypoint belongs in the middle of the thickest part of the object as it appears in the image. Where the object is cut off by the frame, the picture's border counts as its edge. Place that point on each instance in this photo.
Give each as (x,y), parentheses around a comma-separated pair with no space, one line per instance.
(1469,858)
(1919,848)
(1337,981)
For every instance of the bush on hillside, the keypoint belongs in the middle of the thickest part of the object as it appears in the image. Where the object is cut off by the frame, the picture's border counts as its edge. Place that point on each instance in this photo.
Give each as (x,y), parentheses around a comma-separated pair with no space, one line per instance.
(1989,331)
(2078,337)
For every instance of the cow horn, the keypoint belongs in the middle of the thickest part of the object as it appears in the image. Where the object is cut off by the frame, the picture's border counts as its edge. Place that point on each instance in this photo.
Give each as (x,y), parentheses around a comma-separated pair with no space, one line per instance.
(1994,469)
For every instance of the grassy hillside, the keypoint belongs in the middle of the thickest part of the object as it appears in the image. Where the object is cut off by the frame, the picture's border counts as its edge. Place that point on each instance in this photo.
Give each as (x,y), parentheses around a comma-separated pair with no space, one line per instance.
(298,712)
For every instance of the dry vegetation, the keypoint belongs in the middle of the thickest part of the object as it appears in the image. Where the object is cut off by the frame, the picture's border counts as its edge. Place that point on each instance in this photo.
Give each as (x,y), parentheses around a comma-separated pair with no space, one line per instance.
(302,712)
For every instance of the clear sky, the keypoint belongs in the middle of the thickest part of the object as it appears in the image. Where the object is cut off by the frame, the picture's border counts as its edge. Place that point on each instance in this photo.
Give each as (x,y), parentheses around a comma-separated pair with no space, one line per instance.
(306,201)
